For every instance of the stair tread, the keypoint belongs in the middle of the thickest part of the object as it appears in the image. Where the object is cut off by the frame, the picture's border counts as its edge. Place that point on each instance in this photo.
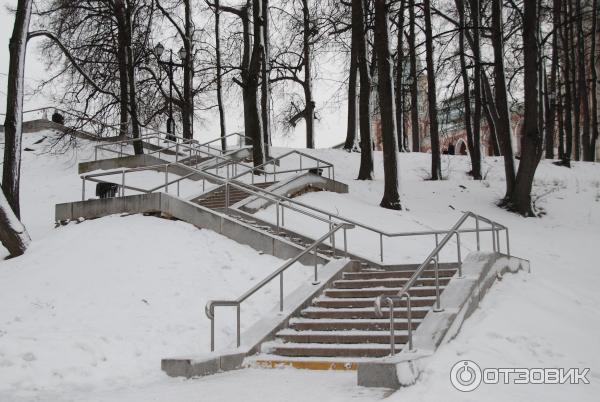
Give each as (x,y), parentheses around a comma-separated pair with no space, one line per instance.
(352,332)
(302,320)
(327,346)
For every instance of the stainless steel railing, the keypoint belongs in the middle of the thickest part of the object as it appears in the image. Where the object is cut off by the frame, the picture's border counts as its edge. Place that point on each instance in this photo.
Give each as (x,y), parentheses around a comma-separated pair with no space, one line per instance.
(210,306)
(433,257)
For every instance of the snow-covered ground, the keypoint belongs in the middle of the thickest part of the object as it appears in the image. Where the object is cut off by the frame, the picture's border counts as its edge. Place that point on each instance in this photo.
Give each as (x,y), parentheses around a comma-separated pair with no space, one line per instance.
(89,311)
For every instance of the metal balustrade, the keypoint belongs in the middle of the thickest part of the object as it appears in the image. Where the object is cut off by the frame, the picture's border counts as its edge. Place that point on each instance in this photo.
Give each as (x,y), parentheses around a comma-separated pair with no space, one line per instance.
(433,258)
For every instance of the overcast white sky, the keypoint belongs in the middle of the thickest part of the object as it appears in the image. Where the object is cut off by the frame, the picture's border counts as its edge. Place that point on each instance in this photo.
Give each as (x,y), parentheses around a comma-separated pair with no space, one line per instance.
(34,69)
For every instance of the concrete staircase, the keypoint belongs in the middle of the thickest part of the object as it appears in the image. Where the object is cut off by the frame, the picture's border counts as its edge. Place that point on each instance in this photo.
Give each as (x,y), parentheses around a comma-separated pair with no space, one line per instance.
(340,328)
(216,199)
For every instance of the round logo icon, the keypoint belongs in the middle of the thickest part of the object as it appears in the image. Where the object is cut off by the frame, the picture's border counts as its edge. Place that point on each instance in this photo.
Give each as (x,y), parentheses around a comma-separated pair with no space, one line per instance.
(465,376)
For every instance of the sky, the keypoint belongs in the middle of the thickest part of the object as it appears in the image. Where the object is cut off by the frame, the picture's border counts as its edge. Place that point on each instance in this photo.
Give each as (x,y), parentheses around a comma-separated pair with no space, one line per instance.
(34,68)
(330,125)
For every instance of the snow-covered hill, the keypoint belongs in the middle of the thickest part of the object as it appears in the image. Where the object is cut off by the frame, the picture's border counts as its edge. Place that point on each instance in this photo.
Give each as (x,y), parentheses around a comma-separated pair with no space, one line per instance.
(89,311)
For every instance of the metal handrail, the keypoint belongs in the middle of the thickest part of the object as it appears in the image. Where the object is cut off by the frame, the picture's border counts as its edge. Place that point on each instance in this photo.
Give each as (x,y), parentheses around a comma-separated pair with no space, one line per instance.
(433,257)
(210,306)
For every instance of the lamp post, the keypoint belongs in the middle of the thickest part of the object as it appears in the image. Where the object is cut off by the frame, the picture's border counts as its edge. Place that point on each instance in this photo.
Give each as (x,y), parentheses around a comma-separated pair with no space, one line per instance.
(170,67)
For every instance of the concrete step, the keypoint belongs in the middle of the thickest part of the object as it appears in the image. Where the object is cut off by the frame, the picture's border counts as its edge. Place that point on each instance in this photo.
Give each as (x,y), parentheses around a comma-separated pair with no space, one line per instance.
(342,337)
(303,324)
(329,302)
(367,312)
(374,292)
(377,274)
(328,350)
(387,283)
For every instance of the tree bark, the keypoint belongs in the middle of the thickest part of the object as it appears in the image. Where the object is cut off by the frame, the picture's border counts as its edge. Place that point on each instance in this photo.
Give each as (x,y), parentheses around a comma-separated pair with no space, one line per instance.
(13,123)
(366,143)
(400,79)
(414,86)
(187,110)
(385,88)
(254,122)
(309,111)
(503,124)
(351,127)
(551,118)
(594,80)
(476,157)
(532,137)
(220,104)
(13,234)
(436,165)
(568,98)
(583,89)
(265,99)
(465,76)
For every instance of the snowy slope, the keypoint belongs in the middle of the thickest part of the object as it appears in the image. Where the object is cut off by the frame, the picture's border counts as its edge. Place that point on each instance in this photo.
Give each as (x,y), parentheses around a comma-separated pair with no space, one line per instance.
(76,304)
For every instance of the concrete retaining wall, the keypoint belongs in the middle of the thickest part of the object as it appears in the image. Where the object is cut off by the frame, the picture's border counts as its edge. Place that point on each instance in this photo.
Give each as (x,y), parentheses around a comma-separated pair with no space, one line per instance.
(188,212)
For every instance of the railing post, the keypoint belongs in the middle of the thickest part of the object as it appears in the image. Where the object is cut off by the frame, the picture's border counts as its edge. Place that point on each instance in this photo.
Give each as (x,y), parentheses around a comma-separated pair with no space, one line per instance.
(212,333)
(83,189)
(239,335)
(458,254)
(316,281)
(381,246)
(277,213)
(477,232)
(123,183)
(167,179)
(437,240)
(227,196)
(507,243)
(96,153)
(177,152)
(409,322)
(300,162)
(392,328)
(282,215)
(494,236)
(438,307)
(281,291)
(345,243)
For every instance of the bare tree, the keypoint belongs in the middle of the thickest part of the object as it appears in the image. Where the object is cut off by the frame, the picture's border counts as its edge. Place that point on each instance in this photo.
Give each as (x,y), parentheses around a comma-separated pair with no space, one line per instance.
(13,234)
(520,199)
(391,196)
(436,166)
(220,105)
(366,142)
(414,82)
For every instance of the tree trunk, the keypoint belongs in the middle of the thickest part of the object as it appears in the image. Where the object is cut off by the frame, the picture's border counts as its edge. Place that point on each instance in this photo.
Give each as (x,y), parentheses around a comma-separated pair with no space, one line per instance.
(574,91)
(254,73)
(491,114)
(465,76)
(594,80)
(123,18)
(436,165)
(476,157)
(13,234)
(351,128)
(220,105)
(265,99)
(309,110)
(385,88)
(123,84)
(532,138)
(366,143)
(414,85)
(551,117)
(503,125)
(568,98)
(187,110)
(400,79)
(13,123)
(583,89)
